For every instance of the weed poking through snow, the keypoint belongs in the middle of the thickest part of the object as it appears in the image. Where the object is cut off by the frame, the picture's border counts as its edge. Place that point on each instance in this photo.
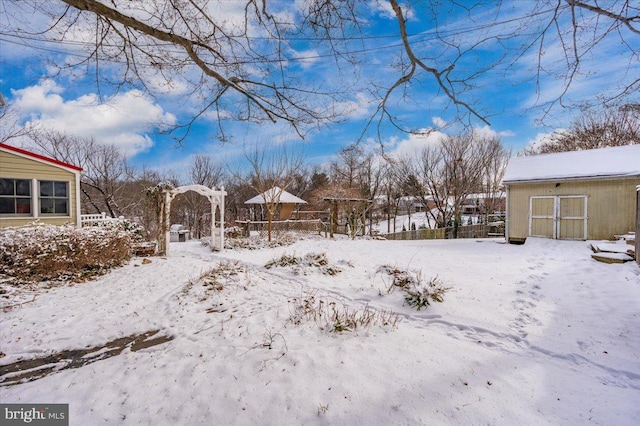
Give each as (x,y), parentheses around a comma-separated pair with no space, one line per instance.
(337,317)
(217,277)
(417,293)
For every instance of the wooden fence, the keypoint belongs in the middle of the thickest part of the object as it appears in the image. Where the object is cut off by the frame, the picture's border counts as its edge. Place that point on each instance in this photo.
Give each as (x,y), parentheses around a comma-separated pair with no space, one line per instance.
(312,226)
(468,231)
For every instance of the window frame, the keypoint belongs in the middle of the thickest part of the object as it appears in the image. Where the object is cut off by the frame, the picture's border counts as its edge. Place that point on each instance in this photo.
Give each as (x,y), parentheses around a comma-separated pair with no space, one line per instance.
(15,197)
(54,198)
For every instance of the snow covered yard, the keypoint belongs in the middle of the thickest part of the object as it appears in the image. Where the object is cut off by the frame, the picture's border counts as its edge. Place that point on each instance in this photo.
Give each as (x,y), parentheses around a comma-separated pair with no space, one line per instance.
(532,334)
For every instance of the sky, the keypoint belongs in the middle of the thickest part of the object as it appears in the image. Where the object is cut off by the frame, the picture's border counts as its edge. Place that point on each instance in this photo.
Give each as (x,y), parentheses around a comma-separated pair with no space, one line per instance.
(506,84)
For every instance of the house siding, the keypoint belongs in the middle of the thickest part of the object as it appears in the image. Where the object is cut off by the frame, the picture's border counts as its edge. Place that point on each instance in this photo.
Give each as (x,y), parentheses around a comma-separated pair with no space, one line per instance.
(611,205)
(17,167)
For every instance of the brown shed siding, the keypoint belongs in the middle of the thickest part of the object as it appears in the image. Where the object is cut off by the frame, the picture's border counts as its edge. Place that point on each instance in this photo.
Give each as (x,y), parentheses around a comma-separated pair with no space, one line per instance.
(18,167)
(611,205)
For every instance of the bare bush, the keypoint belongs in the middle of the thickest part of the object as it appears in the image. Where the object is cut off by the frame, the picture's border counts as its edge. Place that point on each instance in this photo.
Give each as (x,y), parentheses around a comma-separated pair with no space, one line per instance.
(300,264)
(337,317)
(400,278)
(62,253)
(220,275)
(257,243)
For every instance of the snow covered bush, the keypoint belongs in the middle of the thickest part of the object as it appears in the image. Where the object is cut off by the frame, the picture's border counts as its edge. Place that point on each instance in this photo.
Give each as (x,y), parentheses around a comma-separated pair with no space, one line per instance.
(256,243)
(217,277)
(300,264)
(417,294)
(62,253)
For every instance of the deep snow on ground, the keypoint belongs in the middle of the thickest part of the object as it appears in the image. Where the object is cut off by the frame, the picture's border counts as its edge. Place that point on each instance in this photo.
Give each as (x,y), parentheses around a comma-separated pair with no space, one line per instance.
(532,334)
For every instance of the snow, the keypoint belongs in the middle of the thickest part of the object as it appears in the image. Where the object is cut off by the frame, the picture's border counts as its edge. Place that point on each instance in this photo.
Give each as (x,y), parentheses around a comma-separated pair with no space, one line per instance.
(621,161)
(532,334)
(276,194)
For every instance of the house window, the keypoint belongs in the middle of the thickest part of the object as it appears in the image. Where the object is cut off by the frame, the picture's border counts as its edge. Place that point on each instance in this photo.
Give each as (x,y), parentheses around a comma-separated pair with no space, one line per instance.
(54,197)
(15,196)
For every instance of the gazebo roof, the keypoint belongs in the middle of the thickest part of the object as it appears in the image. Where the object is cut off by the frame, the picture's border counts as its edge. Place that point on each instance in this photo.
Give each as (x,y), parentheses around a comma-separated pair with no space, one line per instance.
(276,195)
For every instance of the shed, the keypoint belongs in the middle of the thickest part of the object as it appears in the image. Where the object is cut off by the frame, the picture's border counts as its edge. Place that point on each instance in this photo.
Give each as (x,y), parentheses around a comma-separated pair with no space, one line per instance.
(575,195)
(33,186)
(278,196)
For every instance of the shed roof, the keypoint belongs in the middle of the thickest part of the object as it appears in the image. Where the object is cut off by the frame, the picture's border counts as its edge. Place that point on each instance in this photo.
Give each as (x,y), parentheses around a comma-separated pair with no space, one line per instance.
(603,163)
(24,153)
(276,195)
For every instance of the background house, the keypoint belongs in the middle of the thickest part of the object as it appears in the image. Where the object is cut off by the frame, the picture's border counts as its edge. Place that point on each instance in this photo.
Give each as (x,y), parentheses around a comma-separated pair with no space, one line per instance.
(33,186)
(574,195)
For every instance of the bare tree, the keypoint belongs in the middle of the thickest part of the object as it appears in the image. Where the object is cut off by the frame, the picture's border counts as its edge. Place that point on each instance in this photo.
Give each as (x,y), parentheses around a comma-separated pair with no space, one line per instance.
(236,68)
(495,168)
(105,170)
(244,67)
(9,122)
(360,170)
(272,172)
(348,166)
(447,172)
(610,127)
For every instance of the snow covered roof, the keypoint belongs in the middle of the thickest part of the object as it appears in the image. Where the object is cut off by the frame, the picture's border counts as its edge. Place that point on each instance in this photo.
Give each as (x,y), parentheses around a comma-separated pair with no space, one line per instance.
(277,195)
(621,161)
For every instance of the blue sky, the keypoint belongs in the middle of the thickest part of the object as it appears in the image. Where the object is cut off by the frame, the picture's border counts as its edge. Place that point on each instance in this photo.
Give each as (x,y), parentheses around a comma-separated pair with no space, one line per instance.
(507,88)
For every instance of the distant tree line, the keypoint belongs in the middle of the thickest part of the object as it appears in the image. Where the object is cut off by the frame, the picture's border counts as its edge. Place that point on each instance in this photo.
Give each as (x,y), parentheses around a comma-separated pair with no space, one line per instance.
(439,177)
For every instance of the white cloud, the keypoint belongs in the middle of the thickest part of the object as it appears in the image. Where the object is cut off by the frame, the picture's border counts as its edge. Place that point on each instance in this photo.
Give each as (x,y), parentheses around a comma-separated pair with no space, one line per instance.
(540,139)
(484,132)
(306,58)
(439,122)
(123,119)
(384,9)
(414,143)
(357,108)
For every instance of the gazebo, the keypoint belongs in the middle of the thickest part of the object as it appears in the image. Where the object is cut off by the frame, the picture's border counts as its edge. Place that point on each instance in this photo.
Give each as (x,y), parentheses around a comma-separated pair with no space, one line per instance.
(276,196)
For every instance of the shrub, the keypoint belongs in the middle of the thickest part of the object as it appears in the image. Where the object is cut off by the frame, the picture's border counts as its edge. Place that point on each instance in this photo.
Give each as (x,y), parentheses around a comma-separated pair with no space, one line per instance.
(336,317)
(416,293)
(400,278)
(300,264)
(419,297)
(256,243)
(218,276)
(62,253)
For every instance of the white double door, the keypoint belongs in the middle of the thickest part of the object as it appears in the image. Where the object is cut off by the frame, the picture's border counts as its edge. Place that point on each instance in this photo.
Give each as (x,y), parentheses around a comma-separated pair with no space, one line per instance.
(559,217)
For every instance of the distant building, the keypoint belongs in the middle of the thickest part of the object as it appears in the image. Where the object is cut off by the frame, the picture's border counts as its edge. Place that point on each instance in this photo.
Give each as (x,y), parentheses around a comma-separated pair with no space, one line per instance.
(285,202)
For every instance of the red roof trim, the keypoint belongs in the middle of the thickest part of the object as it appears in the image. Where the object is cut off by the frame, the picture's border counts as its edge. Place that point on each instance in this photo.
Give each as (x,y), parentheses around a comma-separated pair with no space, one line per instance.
(39,157)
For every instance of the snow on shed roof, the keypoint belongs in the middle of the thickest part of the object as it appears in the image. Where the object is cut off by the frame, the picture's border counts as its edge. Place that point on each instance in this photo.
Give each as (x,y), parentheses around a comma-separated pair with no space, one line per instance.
(621,161)
(277,195)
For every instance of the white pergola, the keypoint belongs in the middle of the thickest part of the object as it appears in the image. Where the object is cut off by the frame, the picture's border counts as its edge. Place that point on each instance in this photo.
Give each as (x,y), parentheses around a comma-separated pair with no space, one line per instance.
(216,197)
